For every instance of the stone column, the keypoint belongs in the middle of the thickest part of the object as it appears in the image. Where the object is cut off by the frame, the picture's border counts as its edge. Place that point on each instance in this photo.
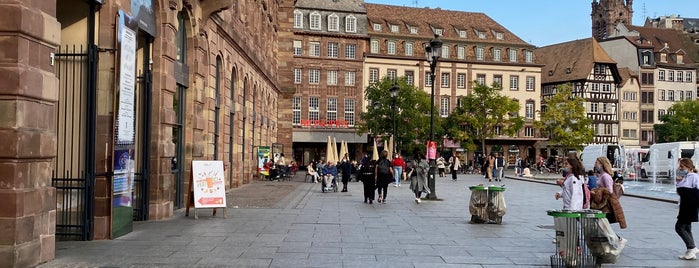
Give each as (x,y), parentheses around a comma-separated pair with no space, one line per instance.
(29,32)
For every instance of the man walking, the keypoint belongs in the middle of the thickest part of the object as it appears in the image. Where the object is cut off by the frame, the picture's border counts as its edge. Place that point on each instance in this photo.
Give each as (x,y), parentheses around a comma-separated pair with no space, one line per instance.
(500,166)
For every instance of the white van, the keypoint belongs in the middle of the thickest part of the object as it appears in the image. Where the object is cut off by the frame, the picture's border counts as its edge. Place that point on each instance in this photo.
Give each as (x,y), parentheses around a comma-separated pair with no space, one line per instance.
(661,159)
(614,152)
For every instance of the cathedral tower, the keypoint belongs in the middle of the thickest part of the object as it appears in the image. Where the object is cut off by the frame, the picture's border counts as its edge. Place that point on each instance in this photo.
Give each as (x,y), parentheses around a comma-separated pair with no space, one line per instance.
(607,13)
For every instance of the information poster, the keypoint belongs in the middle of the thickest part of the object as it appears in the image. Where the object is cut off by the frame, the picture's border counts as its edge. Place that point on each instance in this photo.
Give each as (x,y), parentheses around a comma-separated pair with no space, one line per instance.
(127,82)
(208,184)
(263,160)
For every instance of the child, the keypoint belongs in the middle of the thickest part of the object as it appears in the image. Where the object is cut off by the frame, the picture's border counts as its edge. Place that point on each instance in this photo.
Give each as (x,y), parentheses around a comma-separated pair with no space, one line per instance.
(591,179)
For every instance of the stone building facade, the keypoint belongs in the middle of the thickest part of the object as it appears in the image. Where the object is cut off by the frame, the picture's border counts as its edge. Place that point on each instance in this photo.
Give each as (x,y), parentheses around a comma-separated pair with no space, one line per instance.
(205,88)
(606,14)
(475,49)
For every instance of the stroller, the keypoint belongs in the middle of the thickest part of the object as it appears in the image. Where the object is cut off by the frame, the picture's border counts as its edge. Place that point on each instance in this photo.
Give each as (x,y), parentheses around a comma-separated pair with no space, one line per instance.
(328,183)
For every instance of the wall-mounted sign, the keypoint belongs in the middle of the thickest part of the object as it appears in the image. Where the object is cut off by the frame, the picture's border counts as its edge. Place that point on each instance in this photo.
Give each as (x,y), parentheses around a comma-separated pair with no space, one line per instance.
(325,123)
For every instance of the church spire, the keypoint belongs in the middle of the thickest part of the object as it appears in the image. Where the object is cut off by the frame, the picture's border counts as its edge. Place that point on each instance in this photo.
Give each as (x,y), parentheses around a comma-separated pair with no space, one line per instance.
(606,14)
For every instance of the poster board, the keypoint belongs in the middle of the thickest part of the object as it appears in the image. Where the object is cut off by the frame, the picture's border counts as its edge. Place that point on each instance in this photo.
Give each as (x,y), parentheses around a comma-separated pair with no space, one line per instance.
(263,157)
(208,185)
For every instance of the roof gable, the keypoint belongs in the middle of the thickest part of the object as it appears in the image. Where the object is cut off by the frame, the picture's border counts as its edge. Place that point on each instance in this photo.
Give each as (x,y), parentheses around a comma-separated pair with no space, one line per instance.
(571,61)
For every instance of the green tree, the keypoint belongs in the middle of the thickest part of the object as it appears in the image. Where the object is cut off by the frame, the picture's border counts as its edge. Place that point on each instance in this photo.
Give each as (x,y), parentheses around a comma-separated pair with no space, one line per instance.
(411,111)
(680,123)
(564,121)
(480,113)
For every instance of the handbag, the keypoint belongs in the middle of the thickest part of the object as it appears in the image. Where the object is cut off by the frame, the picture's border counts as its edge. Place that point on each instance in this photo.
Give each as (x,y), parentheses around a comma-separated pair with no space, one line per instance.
(618,189)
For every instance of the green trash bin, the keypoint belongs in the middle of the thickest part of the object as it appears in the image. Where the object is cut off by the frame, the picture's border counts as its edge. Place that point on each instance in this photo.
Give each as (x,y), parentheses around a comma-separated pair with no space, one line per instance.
(487,204)
(571,248)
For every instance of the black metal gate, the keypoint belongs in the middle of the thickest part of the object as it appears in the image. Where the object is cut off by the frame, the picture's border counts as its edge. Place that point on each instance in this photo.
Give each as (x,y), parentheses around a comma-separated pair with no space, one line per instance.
(73,172)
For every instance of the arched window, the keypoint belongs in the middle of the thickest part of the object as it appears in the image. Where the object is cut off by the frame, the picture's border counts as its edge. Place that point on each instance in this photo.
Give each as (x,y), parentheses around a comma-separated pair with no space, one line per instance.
(333,23)
(298,20)
(314,21)
(351,24)
(217,103)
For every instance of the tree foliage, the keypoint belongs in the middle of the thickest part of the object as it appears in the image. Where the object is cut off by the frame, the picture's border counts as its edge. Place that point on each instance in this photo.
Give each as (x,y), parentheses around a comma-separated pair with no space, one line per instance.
(565,121)
(412,108)
(476,119)
(680,123)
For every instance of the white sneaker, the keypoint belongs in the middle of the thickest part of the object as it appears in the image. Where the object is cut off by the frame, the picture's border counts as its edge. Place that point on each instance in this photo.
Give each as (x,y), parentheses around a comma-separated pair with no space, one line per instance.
(691,254)
(419,201)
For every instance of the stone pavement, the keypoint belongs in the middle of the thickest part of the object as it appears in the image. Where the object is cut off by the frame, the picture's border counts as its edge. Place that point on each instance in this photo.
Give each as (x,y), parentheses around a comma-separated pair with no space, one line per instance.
(308,228)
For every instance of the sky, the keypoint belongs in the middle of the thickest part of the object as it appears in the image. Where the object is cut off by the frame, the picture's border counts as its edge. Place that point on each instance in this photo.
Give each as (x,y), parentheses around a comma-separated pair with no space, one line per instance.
(547,22)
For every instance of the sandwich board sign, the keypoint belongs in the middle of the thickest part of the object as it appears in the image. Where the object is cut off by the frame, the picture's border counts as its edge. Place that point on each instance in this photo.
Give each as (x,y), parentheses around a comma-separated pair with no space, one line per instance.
(207,186)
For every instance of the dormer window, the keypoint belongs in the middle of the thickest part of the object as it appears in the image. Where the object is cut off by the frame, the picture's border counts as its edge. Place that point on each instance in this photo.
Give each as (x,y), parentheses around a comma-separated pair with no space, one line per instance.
(377,27)
(298,20)
(663,57)
(680,59)
(413,30)
(462,33)
(499,36)
(333,23)
(438,31)
(351,24)
(394,28)
(314,22)
(480,34)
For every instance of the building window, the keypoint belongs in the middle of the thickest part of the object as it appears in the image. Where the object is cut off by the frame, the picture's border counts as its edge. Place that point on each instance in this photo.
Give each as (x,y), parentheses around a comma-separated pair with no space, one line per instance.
(631,116)
(647,116)
(351,51)
(350,78)
(298,20)
(408,49)
(679,76)
(529,110)
(499,36)
(313,108)
(647,135)
(462,33)
(647,97)
(391,46)
(296,106)
(297,76)
(314,22)
(646,78)
(529,56)
(662,94)
(461,80)
(497,81)
(606,88)
(332,78)
(349,112)
(661,112)
(594,87)
(528,131)
(413,30)
(410,77)
(661,75)
(445,79)
(497,54)
(688,77)
(428,79)
(333,23)
(314,76)
(513,55)
(374,46)
(332,50)
(460,52)
(480,79)
(629,133)
(444,107)
(680,94)
(531,82)
(314,49)
(514,82)
(350,24)
(688,96)
(394,28)
(377,27)
(670,76)
(671,95)
(298,49)
(332,109)
(438,31)
(445,52)
(480,53)
(481,34)
(373,75)
(594,107)
(392,74)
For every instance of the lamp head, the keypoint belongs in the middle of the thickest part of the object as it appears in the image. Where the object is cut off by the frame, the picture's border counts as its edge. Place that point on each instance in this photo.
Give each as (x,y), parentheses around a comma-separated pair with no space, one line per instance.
(394,90)
(436,45)
(376,105)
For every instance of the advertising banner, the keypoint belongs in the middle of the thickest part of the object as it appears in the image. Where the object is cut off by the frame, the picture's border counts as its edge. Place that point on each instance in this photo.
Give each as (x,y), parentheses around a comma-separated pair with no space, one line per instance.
(264,162)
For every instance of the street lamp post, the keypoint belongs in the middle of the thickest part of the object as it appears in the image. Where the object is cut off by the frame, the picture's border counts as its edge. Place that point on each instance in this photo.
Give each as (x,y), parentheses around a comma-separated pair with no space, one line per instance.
(433,51)
(394,95)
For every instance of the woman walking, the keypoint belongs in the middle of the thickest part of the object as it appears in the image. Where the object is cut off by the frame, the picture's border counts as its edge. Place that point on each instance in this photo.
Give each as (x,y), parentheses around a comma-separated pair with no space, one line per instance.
(688,190)
(418,182)
(398,168)
(369,180)
(384,176)
(604,168)
(572,190)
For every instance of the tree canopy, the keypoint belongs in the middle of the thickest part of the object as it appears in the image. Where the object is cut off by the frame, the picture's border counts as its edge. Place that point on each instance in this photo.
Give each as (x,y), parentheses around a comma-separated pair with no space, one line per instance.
(680,123)
(565,120)
(479,116)
(412,107)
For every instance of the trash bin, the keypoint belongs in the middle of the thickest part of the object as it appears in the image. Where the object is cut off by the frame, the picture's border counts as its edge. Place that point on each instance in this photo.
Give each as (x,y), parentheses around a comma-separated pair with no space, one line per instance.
(487,204)
(571,226)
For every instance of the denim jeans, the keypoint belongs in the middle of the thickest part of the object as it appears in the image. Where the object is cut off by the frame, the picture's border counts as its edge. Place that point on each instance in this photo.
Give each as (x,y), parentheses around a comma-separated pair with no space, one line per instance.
(397,173)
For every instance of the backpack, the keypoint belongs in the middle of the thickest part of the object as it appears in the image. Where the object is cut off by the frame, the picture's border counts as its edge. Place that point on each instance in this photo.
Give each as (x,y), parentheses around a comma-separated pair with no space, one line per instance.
(384,166)
(586,195)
